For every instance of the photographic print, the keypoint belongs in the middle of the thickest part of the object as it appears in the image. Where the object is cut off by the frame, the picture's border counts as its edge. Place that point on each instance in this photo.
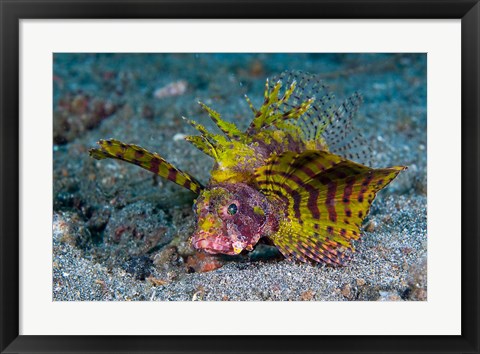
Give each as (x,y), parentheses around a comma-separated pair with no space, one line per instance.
(239,177)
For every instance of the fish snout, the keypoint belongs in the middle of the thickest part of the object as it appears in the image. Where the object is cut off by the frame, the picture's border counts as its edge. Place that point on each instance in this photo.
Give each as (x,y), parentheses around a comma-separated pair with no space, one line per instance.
(211,244)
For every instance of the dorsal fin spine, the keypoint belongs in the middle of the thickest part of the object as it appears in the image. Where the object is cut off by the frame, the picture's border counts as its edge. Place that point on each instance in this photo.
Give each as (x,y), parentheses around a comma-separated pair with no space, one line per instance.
(228,128)
(202,144)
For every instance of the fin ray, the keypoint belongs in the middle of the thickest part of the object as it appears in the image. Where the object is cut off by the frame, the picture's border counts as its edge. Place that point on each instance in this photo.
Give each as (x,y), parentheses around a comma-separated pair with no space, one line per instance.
(202,144)
(228,128)
(324,122)
(326,197)
(150,161)
(273,109)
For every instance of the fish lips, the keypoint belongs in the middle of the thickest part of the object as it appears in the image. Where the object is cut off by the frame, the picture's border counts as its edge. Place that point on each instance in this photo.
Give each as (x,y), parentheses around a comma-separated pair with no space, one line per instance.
(213,244)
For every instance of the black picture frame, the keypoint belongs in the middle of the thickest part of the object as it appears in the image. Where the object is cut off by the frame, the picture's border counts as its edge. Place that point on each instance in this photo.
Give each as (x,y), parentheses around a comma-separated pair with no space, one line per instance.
(11,11)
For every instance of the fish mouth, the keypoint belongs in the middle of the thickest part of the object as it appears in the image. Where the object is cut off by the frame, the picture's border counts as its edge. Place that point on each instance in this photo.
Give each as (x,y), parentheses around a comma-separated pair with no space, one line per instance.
(213,244)
(211,247)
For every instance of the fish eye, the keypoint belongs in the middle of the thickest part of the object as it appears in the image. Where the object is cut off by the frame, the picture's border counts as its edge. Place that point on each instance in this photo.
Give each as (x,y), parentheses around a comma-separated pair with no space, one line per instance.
(232,209)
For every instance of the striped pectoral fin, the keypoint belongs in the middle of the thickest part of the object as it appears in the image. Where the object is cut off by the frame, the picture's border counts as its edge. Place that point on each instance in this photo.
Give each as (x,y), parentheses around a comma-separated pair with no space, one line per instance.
(297,242)
(343,203)
(347,192)
(150,161)
(326,199)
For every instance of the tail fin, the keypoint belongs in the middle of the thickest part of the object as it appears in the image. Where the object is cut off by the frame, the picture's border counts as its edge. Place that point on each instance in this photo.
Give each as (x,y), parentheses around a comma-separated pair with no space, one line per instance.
(145,159)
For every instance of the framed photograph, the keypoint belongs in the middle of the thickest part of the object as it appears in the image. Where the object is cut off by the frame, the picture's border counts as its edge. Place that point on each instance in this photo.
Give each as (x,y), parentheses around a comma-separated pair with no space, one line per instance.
(178,177)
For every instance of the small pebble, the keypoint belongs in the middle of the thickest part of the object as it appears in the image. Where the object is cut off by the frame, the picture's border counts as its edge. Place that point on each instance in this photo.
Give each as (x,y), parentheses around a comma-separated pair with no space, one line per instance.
(179,136)
(176,88)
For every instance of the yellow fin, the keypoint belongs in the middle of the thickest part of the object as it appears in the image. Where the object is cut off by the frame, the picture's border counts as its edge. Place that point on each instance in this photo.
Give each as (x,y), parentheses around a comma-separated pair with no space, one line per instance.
(326,198)
(150,161)
(202,144)
(276,109)
(228,128)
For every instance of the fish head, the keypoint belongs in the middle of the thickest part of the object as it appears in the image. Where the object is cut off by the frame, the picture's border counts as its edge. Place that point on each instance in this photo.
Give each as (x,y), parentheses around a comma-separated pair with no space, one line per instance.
(231,218)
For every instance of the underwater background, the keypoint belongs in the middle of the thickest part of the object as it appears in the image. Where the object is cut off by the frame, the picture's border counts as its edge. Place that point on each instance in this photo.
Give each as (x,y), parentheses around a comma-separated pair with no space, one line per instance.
(121,233)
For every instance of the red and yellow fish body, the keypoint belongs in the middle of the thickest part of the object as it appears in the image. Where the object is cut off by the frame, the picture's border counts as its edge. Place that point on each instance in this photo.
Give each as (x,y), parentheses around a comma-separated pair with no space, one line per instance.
(290,177)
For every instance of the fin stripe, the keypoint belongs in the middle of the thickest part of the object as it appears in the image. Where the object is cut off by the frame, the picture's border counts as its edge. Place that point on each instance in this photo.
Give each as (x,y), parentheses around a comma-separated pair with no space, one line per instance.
(311,252)
(313,193)
(330,197)
(150,161)
(172,175)
(364,188)
(328,253)
(296,204)
(308,251)
(295,195)
(330,200)
(154,165)
(291,195)
(313,203)
(347,191)
(334,256)
(308,171)
(281,194)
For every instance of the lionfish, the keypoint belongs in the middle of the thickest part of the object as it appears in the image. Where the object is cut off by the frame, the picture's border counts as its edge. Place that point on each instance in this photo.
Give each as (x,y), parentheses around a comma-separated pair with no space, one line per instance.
(294,178)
